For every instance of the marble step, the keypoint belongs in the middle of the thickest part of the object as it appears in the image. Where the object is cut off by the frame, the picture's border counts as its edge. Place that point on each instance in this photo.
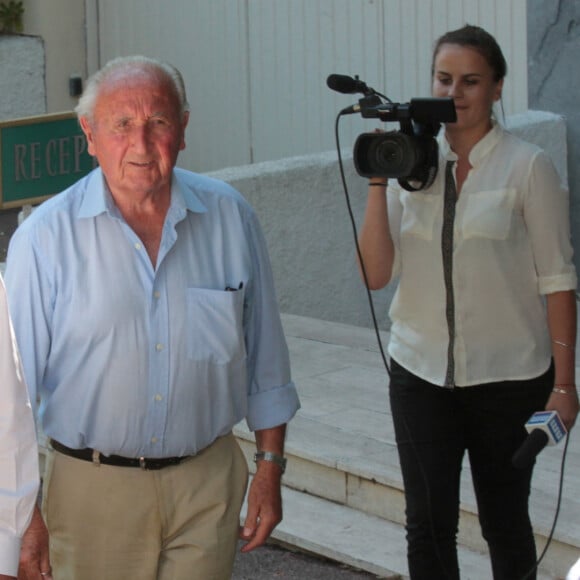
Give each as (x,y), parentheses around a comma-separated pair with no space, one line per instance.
(359,540)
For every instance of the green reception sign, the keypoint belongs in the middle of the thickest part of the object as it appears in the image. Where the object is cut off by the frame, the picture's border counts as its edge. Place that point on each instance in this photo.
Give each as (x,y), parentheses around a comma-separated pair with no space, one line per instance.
(40,156)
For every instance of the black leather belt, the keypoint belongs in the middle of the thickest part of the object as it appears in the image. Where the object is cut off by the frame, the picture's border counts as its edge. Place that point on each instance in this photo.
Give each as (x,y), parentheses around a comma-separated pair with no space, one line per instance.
(93,456)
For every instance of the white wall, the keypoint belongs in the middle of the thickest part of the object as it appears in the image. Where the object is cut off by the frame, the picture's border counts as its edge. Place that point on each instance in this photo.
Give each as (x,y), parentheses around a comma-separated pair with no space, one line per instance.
(256,69)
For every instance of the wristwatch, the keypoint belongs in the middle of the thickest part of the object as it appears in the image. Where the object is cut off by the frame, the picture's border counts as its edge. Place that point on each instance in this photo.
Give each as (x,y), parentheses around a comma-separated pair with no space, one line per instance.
(273,457)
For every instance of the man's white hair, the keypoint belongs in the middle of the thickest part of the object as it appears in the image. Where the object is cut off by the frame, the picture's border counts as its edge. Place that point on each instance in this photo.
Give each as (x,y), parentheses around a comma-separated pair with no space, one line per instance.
(130,65)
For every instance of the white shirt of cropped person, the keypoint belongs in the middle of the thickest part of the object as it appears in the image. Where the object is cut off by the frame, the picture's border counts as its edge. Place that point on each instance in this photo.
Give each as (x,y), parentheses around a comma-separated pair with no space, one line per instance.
(19,479)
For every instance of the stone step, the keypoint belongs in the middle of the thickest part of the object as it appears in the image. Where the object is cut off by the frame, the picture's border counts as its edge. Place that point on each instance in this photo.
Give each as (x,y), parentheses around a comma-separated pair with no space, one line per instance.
(369,502)
(341,445)
(359,540)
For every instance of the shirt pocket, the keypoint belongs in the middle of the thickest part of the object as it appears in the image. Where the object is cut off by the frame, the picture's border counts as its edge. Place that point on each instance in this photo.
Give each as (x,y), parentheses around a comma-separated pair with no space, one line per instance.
(420,212)
(488,214)
(215,325)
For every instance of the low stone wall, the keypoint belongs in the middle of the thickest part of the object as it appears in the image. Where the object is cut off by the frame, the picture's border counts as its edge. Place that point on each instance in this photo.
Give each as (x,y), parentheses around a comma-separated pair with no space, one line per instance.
(303,210)
(22,78)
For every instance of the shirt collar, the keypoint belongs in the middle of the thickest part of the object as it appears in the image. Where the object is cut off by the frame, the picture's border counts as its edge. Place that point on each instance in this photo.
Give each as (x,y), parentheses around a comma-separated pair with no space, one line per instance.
(97,197)
(480,149)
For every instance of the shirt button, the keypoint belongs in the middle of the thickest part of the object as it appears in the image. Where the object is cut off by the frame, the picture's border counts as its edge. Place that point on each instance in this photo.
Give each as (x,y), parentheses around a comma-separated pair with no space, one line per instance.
(153,439)
(159,397)
(157,294)
(158,347)
(137,246)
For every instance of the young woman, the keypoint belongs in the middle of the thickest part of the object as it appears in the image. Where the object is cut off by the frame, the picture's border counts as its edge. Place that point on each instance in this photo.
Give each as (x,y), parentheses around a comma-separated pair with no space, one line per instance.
(484,318)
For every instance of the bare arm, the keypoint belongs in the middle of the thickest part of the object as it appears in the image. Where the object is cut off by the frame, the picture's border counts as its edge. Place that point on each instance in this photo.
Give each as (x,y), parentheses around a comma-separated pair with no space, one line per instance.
(375,241)
(562,324)
(265,495)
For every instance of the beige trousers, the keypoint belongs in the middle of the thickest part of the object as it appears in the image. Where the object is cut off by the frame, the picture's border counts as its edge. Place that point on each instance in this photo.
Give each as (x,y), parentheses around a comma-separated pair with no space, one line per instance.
(125,523)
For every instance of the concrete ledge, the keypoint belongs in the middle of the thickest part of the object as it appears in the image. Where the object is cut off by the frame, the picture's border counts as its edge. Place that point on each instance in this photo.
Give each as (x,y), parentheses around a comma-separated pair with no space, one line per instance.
(302,207)
(548,131)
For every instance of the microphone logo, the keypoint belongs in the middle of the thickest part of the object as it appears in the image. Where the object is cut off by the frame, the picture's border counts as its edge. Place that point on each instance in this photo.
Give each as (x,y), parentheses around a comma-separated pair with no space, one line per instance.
(544,428)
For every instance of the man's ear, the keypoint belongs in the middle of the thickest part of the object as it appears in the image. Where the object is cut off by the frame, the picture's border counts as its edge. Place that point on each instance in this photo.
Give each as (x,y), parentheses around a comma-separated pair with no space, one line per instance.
(184,126)
(88,131)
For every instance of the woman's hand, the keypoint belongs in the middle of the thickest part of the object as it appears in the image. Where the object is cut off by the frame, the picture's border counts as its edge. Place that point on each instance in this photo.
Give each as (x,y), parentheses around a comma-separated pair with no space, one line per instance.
(565,402)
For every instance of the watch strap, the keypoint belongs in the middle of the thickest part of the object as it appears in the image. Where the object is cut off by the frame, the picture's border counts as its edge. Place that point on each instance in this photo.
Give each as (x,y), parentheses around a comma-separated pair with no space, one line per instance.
(273,457)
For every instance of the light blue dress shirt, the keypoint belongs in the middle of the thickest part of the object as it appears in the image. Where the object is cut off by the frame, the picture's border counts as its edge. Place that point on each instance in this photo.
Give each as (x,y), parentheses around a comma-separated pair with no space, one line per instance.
(134,360)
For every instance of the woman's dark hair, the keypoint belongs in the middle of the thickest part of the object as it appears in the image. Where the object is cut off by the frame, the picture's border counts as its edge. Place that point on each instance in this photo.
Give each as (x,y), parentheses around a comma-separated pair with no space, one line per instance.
(478,39)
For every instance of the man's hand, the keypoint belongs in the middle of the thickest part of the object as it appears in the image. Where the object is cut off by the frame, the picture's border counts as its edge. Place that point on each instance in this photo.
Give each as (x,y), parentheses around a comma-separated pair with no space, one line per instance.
(34,556)
(264,505)
(265,495)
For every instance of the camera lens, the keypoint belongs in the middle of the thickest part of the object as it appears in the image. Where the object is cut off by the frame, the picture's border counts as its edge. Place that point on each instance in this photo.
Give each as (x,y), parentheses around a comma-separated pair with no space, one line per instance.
(398,155)
(393,154)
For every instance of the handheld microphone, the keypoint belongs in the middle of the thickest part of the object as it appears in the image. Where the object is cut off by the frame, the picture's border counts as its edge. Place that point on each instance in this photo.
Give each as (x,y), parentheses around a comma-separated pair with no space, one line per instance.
(347,85)
(544,428)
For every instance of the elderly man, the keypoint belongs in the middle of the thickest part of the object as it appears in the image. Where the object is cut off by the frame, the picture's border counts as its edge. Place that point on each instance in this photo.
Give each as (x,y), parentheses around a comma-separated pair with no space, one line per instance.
(18,450)
(144,302)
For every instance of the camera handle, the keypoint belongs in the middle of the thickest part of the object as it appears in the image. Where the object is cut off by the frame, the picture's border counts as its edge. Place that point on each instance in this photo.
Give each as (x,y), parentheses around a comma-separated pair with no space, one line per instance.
(370,106)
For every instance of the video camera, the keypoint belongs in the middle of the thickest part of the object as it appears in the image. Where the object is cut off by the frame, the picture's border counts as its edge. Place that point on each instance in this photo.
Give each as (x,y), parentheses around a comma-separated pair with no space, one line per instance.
(410,154)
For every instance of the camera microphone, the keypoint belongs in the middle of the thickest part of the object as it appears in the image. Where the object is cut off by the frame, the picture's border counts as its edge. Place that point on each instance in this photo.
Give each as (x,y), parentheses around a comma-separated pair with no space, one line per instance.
(348,85)
(544,428)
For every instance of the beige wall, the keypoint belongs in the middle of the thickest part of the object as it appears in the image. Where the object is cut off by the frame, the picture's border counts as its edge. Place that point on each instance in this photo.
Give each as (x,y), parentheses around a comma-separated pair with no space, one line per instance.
(61,25)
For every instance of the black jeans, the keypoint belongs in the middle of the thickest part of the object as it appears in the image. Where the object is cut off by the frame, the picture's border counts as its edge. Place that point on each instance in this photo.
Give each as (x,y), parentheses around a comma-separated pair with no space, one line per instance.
(434,426)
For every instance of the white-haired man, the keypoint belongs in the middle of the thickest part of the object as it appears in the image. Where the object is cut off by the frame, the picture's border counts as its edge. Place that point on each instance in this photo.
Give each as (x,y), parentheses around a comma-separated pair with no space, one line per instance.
(144,300)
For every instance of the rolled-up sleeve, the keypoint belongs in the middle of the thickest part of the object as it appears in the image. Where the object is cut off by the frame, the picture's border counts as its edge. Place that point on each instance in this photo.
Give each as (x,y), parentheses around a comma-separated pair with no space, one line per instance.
(547,216)
(272,396)
(19,479)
